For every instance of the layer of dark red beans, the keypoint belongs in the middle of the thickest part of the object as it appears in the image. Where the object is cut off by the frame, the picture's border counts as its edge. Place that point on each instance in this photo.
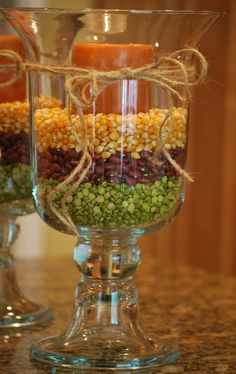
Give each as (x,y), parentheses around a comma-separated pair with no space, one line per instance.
(14,148)
(120,168)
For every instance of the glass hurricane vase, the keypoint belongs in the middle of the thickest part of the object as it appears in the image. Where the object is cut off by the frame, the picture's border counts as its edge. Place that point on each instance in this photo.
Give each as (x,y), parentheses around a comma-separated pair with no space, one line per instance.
(15,189)
(109,163)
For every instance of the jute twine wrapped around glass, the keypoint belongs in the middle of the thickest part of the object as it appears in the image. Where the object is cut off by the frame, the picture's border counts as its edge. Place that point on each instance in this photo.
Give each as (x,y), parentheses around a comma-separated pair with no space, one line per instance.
(169,73)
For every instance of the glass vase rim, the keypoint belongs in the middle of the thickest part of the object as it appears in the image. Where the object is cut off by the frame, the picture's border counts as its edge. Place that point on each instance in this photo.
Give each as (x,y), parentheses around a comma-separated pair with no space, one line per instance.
(114,11)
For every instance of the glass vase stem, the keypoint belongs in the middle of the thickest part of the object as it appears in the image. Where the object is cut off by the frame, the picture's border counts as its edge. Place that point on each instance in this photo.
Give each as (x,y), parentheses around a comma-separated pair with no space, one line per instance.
(105,331)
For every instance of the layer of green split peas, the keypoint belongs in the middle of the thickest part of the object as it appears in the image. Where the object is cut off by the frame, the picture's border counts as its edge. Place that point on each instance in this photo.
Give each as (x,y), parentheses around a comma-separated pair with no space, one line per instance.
(110,204)
(14,182)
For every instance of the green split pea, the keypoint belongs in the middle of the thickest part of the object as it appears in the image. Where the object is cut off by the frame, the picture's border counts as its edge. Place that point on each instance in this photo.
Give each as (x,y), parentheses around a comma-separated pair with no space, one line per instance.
(14,182)
(116,205)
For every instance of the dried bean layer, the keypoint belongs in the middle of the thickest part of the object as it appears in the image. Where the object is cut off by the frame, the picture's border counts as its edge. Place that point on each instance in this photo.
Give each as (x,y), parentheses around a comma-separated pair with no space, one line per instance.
(14,148)
(119,168)
(14,166)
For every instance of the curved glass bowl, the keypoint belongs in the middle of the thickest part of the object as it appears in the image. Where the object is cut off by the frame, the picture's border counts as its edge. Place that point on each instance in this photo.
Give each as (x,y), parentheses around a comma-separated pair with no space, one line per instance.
(109,163)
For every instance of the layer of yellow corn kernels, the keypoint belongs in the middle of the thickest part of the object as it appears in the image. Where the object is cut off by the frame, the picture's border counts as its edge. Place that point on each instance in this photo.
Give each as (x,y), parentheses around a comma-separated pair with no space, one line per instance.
(111,133)
(14,116)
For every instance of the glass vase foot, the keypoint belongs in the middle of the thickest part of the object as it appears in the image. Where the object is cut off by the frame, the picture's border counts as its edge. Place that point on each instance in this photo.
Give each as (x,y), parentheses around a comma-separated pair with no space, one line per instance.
(15,309)
(100,353)
(26,314)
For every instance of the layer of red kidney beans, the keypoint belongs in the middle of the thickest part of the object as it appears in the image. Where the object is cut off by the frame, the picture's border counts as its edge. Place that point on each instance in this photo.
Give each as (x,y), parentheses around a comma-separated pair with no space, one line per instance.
(14,148)
(119,168)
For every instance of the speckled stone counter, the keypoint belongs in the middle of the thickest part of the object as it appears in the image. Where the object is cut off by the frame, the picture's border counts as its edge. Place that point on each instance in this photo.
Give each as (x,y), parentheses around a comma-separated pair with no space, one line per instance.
(195,309)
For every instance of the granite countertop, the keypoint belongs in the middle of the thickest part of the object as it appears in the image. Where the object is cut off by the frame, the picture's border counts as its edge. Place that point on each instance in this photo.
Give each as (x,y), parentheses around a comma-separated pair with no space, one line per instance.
(196,310)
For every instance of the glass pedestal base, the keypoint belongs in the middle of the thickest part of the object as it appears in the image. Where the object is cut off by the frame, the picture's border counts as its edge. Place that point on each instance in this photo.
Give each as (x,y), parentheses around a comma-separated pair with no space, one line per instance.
(15,309)
(104,332)
(27,315)
(104,354)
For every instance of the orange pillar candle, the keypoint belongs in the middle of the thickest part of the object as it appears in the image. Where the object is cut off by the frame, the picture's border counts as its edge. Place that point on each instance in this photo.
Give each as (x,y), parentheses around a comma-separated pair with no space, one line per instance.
(17,90)
(127,96)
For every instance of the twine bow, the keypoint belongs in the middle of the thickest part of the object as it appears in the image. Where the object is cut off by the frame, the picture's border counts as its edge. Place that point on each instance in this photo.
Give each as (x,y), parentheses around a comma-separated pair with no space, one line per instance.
(171,72)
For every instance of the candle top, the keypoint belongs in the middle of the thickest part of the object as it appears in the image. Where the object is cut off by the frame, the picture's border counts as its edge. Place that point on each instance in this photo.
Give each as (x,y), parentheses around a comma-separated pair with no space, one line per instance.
(114,57)
(111,56)
(12,42)
(16,91)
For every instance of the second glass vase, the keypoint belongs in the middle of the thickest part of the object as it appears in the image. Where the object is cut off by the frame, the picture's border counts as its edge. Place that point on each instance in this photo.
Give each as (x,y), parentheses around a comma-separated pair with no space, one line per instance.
(15,188)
